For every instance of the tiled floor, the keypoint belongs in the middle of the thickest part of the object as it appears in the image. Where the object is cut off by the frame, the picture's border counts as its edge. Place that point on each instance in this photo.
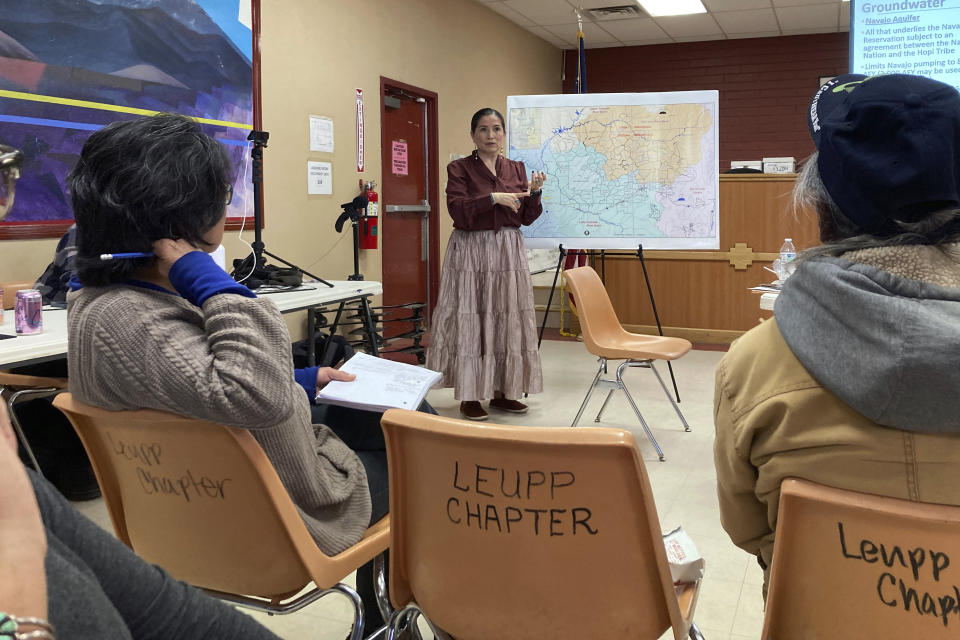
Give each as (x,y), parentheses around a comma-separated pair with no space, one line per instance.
(730,606)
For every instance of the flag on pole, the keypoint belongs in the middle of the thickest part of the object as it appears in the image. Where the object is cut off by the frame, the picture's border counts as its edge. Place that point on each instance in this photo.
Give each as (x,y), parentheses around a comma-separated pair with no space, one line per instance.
(577,257)
(581,59)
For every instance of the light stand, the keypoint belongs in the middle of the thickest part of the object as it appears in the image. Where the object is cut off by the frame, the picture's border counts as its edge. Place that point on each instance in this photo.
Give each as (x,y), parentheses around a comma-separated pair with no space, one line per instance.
(259,139)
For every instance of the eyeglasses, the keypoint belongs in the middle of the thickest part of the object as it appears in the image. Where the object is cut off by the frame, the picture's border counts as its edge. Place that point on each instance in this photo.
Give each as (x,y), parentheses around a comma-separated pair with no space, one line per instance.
(229,197)
(10,159)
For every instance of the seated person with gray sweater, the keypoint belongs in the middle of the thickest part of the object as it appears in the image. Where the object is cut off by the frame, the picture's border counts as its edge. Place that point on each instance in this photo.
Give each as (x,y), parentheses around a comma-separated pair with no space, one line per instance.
(174,332)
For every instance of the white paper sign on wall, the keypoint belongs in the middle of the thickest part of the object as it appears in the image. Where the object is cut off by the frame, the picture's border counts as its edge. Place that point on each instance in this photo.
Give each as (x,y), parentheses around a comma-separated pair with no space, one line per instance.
(319,178)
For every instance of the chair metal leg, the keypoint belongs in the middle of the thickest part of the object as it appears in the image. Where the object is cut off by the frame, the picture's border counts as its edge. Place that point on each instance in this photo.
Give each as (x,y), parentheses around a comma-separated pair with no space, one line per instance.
(380,587)
(686,427)
(604,406)
(404,617)
(633,404)
(694,633)
(357,632)
(593,385)
(379,633)
(12,400)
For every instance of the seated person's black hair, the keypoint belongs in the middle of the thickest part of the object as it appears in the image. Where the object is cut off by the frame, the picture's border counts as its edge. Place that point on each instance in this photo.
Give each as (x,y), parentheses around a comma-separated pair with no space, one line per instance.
(142,180)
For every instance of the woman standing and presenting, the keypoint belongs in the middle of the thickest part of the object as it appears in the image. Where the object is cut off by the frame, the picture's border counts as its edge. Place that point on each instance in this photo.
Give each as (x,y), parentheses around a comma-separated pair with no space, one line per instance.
(484,337)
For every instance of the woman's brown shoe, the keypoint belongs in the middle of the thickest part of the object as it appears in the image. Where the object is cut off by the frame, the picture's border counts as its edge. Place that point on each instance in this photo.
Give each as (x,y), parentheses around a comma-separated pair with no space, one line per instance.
(510,406)
(473,410)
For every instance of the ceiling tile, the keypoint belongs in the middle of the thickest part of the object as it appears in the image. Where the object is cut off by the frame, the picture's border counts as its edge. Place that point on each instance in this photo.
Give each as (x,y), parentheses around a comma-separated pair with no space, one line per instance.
(735,5)
(597,4)
(751,20)
(635,29)
(615,16)
(817,16)
(592,33)
(555,20)
(698,24)
(510,14)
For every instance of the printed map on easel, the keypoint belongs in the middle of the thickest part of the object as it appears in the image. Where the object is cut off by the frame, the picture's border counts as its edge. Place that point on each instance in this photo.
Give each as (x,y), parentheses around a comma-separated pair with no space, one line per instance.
(623,169)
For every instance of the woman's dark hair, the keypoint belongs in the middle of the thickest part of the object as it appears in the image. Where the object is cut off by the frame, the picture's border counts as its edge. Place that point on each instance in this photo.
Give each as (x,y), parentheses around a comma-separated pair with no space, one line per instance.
(487,111)
(142,180)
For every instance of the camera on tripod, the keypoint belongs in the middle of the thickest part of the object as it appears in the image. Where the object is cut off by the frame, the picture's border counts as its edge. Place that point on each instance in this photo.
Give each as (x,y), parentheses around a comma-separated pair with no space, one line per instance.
(354,210)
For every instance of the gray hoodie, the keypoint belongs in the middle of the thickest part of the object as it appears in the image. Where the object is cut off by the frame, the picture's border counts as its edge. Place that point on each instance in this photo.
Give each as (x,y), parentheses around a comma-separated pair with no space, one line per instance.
(887,345)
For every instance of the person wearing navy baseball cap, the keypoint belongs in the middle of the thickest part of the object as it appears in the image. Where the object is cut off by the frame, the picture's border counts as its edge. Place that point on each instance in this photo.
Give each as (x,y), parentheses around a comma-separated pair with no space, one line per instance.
(888,149)
(854,383)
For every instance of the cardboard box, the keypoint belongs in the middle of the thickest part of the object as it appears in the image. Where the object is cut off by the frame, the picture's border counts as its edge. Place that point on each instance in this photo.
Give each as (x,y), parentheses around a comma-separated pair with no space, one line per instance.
(779,165)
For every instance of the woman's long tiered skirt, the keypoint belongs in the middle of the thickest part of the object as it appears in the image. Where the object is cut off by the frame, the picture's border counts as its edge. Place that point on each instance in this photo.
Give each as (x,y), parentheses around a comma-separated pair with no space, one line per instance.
(483,337)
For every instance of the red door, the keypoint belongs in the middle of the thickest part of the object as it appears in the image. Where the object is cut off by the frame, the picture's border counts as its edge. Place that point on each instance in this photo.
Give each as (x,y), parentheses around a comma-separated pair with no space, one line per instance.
(408,201)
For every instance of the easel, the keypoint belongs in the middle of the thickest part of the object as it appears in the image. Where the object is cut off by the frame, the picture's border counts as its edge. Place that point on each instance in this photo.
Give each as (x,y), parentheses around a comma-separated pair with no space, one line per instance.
(603,276)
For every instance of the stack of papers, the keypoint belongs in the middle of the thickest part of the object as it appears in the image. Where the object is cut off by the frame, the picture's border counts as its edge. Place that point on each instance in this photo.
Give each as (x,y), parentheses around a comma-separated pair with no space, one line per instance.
(380,385)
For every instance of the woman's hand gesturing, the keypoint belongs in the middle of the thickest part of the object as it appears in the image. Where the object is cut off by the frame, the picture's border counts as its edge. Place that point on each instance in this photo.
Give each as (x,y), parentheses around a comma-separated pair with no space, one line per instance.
(537,178)
(511,200)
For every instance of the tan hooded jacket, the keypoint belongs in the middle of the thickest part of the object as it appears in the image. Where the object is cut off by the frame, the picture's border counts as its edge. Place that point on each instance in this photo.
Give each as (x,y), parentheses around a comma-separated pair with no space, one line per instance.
(774,419)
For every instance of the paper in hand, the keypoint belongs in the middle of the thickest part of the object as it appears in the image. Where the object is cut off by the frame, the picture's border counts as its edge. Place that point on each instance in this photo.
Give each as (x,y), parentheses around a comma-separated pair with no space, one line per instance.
(380,385)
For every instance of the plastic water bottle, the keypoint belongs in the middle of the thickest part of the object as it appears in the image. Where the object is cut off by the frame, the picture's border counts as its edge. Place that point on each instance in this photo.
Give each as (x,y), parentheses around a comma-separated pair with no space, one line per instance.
(788,253)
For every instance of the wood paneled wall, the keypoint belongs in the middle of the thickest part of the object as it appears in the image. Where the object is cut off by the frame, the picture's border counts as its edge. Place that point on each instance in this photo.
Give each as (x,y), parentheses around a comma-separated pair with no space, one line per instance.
(765,84)
(700,295)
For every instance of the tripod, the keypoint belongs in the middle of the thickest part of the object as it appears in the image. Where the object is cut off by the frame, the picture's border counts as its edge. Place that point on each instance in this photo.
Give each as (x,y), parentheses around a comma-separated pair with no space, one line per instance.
(354,211)
(259,139)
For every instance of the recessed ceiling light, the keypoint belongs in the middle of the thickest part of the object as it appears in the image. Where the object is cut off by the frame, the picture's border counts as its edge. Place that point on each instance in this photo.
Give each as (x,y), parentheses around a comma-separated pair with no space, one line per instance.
(658,8)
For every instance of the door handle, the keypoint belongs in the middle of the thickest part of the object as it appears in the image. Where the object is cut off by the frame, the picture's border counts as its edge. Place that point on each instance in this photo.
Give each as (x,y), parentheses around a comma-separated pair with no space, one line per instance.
(408,208)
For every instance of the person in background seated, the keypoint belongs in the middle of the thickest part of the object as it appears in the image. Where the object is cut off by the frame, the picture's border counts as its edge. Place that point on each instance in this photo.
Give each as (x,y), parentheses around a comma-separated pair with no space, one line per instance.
(174,332)
(57,448)
(62,575)
(854,382)
(54,283)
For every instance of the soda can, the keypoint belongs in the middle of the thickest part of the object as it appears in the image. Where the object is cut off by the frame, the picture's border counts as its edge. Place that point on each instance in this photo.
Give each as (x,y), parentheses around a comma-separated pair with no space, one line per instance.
(28,312)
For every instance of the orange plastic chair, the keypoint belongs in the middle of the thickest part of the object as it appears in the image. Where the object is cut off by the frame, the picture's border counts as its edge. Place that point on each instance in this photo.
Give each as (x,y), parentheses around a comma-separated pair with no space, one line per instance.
(605,338)
(854,565)
(203,501)
(526,532)
(10,292)
(15,388)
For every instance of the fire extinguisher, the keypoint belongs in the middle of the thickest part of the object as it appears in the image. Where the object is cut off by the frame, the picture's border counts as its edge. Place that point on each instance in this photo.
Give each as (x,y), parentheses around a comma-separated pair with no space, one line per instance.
(368,228)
